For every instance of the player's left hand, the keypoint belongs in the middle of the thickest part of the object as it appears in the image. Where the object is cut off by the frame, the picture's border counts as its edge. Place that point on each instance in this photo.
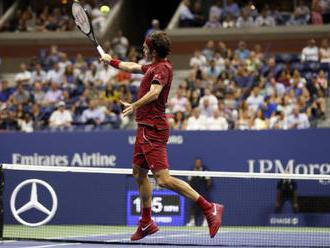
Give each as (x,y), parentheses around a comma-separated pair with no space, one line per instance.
(129,108)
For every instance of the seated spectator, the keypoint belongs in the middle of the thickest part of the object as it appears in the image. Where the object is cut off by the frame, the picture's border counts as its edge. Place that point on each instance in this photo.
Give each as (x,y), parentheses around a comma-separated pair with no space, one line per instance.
(38,94)
(55,75)
(206,109)
(178,122)
(245,20)
(217,122)
(325,51)
(20,96)
(24,75)
(265,19)
(310,53)
(213,70)
(278,121)
(298,120)
(259,122)
(93,115)
(242,52)
(232,8)
(212,23)
(216,12)
(110,94)
(198,61)
(5,91)
(198,13)
(301,14)
(155,26)
(53,95)
(255,100)
(120,45)
(60,118)
(321,82)
(196,121)
(213,101)
(187,18)
(208,51)
(244,121)
(38,74)
(26,123)
(179,103)
(316,16)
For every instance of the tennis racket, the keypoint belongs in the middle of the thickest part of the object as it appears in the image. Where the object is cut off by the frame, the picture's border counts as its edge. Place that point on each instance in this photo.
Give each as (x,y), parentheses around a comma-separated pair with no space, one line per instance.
(83,22)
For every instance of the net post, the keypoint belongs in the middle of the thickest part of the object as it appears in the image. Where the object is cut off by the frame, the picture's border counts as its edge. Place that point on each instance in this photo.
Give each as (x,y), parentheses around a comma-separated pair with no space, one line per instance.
(1,201)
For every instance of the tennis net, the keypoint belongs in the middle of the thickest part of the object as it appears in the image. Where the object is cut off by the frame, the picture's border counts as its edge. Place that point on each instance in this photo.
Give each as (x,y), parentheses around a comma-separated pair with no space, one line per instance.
(101,205)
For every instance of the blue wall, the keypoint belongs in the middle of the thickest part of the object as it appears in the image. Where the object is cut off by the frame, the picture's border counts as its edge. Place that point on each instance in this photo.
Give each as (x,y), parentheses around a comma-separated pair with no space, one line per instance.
(89,198)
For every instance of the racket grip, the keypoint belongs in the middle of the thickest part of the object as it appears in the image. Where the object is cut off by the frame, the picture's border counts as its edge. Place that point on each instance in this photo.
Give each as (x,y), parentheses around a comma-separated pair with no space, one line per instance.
(100,50)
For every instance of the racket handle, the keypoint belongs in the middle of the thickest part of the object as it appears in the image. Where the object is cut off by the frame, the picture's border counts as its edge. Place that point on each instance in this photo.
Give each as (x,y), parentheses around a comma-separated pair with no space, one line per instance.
(100,50)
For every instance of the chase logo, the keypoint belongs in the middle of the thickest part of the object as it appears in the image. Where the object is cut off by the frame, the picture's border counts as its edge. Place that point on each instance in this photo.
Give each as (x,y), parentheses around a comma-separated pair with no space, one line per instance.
(33,202)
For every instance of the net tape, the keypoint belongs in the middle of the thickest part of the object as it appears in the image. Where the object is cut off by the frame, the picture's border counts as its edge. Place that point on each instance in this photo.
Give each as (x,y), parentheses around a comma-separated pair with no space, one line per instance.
(127,171)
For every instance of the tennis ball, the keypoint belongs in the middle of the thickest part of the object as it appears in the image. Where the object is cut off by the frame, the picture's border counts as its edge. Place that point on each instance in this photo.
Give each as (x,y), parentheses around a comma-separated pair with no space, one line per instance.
(105,9)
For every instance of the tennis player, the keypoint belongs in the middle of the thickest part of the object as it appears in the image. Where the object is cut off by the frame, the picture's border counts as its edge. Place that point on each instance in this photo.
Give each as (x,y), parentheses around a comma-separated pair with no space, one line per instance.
(153,132)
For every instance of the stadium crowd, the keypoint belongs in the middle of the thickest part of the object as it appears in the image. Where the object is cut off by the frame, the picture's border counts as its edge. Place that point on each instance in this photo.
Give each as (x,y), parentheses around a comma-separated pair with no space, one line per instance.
(243,89)
(229,14)
(226,89)
(51,17)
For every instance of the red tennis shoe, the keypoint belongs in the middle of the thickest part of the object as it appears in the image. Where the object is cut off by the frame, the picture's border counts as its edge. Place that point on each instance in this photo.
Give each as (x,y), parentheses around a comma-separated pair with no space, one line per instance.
(214,218)
(144,229)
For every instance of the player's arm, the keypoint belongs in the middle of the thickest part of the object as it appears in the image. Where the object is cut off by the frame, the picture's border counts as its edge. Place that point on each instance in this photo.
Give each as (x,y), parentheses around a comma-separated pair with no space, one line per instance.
(125,66)
(150,96)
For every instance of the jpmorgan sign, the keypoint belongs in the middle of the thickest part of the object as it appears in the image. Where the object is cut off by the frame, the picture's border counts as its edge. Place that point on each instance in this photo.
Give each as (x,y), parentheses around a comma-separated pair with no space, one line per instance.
(289,166)
(33,203)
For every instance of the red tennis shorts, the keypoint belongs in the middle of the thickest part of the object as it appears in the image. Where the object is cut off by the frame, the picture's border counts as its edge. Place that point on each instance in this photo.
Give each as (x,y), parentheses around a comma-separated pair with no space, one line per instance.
(150,148)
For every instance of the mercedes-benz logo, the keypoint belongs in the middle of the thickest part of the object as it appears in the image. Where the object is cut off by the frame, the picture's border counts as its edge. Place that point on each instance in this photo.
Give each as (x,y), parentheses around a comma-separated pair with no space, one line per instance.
(33,203)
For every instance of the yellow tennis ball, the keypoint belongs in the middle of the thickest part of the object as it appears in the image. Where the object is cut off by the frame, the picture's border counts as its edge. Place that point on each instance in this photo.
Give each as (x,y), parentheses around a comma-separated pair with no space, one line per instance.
(105,9)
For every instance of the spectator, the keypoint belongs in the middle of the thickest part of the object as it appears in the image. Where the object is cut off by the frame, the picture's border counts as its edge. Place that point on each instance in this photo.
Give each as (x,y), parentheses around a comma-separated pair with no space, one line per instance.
(196,121)
(242,52)
(229,21)
(325,52)
(208,51)
(120,45)
(60,118)
(213,101)
(155,26)
(53,95)
(38,94)
(187,18)
(203,186)
(310,53)
(217,122)
(316,16)
(93,115)
(216,12)
(55,75)
(198,13)
(245,20)
(265,19)
(198,61)
(179,121)
(254,100)
(232,8)
(301,14)
(259,122)
(38,75)
(26,123)
(24,75)
(5,91)
(298,120)
(212,23)
(20,96)
(179,103)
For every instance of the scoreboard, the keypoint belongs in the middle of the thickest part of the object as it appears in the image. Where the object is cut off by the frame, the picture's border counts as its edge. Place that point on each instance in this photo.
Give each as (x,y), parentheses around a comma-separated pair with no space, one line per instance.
(167,208)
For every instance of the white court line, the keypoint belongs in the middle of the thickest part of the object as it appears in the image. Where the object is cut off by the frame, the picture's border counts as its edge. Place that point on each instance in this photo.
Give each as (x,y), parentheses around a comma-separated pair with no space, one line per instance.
(54,245)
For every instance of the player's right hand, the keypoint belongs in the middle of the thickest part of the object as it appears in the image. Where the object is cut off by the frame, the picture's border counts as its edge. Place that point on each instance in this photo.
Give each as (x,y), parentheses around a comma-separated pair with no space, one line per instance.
(106,58)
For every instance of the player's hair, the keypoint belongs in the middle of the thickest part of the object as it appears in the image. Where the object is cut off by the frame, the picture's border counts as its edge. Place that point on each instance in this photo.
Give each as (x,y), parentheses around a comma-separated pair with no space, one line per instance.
(160,42)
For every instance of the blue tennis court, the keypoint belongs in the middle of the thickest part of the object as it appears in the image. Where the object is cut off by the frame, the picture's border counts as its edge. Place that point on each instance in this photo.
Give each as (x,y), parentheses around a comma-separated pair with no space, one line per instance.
(227,237)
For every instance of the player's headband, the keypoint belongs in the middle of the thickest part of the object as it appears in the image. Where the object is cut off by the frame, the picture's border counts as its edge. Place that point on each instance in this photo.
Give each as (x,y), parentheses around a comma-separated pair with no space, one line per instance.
(149,42)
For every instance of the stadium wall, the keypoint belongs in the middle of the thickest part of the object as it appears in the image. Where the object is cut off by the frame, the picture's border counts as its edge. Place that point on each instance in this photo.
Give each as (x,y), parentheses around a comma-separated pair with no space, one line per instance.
(299,151)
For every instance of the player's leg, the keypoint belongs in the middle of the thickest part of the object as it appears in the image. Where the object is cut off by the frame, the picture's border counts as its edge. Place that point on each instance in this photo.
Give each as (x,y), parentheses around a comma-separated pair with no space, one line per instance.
(140,172)
(145,190)
(212,211)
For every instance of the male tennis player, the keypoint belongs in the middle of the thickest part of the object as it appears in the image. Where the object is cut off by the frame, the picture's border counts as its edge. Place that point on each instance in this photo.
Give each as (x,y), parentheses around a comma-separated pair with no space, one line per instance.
(153,133)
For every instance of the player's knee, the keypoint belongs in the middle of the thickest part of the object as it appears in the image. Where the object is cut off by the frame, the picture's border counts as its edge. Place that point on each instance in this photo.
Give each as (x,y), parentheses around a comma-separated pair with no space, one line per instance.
(138,175)
(164,182)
